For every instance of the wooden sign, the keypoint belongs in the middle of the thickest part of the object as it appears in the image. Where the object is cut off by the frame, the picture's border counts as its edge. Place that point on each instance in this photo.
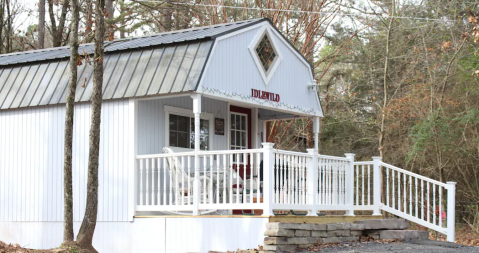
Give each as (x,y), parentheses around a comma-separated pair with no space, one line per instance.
(219,126)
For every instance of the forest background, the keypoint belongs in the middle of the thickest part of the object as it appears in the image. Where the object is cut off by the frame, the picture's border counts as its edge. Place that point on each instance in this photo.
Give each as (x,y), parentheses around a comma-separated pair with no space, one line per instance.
(397,78)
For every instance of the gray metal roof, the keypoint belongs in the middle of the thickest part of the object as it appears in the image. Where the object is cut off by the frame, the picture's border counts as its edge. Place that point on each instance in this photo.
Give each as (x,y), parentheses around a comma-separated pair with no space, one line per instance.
(205,32)
(159,64)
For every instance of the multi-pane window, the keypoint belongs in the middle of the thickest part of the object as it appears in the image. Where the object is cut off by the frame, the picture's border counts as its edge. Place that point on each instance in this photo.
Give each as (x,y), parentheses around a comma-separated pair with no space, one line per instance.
(182,132)
(266,52)
(239,131)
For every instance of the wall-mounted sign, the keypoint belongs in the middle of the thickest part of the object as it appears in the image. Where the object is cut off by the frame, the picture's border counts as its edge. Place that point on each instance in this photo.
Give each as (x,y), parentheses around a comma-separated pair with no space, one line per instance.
(219,126)
(265,95)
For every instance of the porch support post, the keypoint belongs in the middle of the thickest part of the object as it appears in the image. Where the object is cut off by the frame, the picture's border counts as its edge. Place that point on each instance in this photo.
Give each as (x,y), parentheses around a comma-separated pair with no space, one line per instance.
(196,184)
(316,133)
(312,182)
(451,211)
(377,185)
(350,184)
(268,170)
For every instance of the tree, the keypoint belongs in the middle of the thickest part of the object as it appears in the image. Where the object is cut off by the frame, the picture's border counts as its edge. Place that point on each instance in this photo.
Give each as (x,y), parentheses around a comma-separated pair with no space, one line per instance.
(57,30)
(2,14)
(85,236)
(41,24)
(68,234)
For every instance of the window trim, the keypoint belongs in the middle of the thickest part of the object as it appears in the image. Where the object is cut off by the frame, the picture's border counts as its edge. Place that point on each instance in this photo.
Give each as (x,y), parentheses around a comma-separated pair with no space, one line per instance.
(187,113)
(231,129)
(266,75)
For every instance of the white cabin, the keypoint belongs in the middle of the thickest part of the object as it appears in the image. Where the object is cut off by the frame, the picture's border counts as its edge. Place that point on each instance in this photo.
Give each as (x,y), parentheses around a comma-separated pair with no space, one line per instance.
(183,161)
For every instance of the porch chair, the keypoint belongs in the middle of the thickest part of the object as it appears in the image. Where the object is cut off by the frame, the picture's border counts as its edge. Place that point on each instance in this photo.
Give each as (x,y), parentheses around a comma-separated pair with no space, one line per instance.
(180,187)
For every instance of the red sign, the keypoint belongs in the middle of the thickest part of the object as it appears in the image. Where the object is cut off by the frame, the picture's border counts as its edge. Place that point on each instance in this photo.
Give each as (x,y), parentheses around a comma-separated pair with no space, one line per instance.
(265,95)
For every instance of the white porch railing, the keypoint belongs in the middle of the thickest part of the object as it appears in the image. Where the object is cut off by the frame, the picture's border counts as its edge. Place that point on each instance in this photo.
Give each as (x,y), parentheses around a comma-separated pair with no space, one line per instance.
(271,179)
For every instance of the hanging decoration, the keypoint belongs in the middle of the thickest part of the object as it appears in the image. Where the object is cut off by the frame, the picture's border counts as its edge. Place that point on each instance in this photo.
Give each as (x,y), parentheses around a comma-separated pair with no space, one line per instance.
(257,100)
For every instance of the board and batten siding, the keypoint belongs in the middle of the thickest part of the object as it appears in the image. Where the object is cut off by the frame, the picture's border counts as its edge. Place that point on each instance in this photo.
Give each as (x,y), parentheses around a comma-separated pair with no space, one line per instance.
(31,162)
(151,122)
(231,68)
(160,234)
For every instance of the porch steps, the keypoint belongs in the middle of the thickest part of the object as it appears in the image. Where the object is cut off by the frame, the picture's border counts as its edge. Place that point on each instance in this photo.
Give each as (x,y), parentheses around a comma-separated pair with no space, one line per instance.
(286,237)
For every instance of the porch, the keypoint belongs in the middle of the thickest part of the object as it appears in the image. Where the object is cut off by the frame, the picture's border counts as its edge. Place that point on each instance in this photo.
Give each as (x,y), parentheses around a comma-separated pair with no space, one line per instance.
(238,174)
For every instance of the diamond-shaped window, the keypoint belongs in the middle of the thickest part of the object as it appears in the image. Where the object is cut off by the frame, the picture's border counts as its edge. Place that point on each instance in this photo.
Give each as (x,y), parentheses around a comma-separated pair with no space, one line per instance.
(266,52)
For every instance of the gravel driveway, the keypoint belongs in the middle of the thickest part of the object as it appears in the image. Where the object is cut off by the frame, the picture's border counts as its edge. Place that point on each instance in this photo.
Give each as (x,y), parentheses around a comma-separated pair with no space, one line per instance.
(397,247)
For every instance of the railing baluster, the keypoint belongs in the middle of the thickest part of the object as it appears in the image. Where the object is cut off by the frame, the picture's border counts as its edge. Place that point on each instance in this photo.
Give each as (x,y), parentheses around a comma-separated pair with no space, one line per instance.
(393,195)
(141,182)
(251,172)
(182,171)
(320,180)
(170,170)
(422,200)
(147,194)
(434,204)
(281,177)
(231,161)
(357,185)
(189,168)
(158,195)
(217,179)
(440,206)
(225,182)
(258,170)
(410,195)
(164,181)
(404,193)
(399,191)
(362,184)
(178,190)
(245,164)
(428,202)
(416,200)
(369,184)
(387,186)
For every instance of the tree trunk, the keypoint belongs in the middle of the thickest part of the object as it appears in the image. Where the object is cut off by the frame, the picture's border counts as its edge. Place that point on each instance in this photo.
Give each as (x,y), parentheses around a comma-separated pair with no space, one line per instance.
(109,28)
(68,235)
(85,236)
(166,19)
(41,24)
(2,14)
(57,31)
(8,31)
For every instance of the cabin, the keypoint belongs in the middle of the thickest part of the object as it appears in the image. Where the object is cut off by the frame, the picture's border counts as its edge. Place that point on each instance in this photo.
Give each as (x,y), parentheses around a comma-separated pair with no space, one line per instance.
(184,164)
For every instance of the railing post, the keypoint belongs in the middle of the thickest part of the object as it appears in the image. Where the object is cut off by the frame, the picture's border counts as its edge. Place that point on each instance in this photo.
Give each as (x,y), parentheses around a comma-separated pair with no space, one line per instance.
(451,211)
(377,185)
(196,183)
(312,182)
(350,184)
(268,177)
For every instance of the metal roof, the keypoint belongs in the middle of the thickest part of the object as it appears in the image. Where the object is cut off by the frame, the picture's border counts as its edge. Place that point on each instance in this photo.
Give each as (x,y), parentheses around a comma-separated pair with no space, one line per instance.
(205,32)
(132,73)
(164,63)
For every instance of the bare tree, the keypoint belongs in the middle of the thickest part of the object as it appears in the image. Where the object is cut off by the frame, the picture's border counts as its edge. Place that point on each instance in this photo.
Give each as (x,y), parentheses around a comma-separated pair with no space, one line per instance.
(2,14)
(87,229)
(41,24)
(57,30)
(69,116)
(110,19)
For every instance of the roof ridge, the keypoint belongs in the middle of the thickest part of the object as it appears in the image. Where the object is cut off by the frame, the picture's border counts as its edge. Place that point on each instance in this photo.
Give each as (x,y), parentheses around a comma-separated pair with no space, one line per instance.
(133,37)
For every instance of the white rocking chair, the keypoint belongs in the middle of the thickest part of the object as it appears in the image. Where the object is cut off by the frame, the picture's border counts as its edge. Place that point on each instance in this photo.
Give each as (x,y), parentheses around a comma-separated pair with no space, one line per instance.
(182,181)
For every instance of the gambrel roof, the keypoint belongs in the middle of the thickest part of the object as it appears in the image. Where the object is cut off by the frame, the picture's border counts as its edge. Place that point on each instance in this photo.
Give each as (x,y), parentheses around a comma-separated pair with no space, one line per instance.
(164,63)
(174,60)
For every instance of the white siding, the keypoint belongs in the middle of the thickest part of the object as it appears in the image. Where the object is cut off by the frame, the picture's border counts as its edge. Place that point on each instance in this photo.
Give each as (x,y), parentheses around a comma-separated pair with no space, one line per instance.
(231,69)
(151,122)
(31,162)
(164,235)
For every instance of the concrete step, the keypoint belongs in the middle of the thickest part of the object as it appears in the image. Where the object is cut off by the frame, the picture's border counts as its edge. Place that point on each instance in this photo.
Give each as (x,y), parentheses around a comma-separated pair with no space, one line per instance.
(405,235)
(384,224)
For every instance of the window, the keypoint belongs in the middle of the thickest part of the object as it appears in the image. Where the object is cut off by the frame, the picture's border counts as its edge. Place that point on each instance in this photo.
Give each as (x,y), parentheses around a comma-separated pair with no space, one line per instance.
(239,131)
(182,132)
(266,52)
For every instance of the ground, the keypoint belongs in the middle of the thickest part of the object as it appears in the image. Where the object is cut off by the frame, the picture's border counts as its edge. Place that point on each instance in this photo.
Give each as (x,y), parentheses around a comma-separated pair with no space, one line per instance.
(393,246)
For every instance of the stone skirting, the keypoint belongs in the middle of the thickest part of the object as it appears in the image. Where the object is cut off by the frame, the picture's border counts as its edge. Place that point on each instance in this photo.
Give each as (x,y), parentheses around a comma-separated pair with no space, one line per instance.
(286,237)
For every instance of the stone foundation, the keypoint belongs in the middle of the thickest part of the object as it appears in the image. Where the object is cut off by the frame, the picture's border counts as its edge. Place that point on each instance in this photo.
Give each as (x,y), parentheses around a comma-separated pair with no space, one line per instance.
(286,237)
